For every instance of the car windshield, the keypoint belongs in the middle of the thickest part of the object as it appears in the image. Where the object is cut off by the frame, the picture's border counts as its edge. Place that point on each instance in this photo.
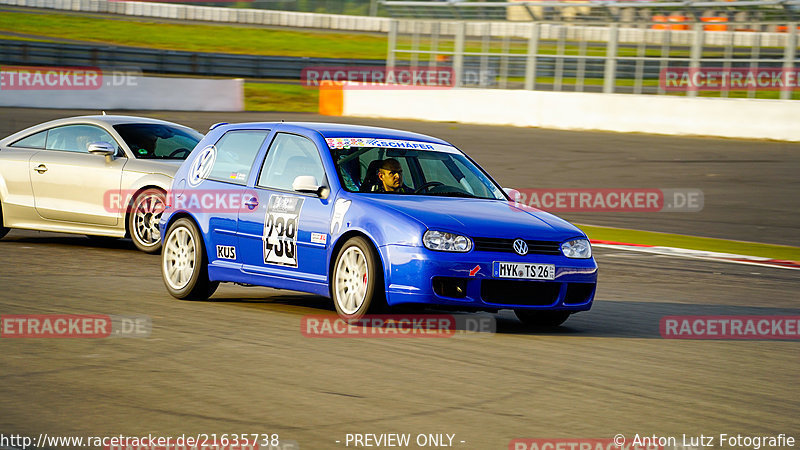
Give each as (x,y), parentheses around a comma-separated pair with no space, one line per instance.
(410,171)
(158,141)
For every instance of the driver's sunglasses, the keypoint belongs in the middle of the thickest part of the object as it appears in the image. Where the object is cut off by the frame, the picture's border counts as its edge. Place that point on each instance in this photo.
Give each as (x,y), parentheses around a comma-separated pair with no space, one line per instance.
(393,172)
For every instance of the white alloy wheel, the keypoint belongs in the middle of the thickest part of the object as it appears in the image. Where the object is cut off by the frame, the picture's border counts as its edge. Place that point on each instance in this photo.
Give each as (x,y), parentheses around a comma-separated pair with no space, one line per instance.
(352,278)
(179,258)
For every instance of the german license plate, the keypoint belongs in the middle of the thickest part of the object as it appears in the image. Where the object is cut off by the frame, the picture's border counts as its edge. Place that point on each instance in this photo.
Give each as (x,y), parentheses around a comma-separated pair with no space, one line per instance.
(524,271)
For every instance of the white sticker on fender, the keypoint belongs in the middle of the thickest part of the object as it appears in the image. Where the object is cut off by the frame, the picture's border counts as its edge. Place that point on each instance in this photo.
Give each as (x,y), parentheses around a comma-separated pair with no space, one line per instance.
(339,210)
(319,238)
(280,230)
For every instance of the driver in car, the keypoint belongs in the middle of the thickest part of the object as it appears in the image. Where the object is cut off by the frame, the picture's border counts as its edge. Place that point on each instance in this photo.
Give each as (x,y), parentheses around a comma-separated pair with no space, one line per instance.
(390,175)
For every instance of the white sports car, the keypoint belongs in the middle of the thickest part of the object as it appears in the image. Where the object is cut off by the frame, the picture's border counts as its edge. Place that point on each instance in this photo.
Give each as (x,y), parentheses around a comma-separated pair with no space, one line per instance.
(95,175)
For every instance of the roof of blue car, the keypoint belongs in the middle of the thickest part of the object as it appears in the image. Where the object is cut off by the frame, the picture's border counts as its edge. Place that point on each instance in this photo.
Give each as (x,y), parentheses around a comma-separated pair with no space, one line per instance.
(341,130)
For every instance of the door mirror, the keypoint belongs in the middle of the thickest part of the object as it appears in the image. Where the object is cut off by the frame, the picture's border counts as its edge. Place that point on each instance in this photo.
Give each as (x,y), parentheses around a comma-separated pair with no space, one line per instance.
(102,148)
(308,184)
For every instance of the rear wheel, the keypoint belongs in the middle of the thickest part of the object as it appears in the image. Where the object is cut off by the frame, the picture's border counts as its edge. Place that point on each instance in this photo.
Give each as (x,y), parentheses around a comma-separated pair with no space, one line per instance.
(541,319)
(184,265)
(143,220)
(357,282)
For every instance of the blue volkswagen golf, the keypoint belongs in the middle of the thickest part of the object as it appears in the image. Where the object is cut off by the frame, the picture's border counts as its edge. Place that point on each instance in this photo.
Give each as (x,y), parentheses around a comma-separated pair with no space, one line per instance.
(370,217)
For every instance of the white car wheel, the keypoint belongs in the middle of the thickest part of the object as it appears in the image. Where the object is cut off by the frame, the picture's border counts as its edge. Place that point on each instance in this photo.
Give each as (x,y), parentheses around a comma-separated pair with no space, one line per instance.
(143,220)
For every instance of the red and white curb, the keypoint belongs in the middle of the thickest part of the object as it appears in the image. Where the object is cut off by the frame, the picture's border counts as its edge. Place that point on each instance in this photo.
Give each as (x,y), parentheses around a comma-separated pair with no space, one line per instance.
(699,254)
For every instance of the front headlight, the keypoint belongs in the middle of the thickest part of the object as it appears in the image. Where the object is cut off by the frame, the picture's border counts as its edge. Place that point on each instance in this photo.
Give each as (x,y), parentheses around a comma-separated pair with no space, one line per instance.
(577,248)
(446,242)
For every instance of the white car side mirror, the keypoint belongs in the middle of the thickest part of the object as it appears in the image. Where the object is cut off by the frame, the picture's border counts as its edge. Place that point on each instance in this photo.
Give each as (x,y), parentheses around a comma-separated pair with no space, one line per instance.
(308,184)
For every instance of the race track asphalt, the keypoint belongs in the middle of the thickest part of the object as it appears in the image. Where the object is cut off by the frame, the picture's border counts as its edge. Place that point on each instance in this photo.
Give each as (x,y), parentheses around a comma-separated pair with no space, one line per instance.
(239,363)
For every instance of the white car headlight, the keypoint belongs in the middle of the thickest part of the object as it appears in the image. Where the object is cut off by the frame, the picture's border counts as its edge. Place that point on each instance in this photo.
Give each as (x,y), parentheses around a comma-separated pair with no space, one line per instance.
(446,242)
(577,248)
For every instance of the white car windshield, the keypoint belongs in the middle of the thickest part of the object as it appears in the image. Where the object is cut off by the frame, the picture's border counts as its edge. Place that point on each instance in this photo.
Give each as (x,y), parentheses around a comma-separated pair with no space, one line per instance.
(412,172)
(158,141)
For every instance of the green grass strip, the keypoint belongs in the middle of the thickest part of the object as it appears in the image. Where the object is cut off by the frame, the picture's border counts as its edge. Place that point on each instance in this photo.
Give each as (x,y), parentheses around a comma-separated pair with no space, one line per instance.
(691,242)
(280,97)
(237,39)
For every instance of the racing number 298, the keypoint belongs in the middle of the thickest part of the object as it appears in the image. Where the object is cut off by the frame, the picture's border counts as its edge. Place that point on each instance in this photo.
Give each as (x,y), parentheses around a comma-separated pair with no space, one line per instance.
(285,230)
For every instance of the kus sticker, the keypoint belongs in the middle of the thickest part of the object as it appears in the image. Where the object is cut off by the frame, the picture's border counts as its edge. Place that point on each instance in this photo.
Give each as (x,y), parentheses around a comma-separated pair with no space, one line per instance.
(226,252)
(280,230)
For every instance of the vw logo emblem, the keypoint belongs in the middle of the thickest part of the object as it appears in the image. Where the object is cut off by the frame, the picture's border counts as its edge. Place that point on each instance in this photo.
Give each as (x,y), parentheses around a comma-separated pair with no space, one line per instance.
(521,247)
(202,165)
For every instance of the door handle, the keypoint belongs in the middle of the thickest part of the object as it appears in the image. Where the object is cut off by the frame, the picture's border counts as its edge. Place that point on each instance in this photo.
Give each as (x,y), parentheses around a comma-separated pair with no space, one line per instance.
(252,203)
(41,168)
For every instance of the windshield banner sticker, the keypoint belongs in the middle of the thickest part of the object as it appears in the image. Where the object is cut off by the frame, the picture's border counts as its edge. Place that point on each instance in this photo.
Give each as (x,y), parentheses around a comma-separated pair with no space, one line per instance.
(280,230)
(386,143)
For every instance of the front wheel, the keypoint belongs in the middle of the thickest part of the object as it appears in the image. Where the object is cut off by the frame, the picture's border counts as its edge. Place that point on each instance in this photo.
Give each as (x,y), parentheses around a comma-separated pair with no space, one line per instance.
(541,319)
(184,265)
(143,220)
(357,287)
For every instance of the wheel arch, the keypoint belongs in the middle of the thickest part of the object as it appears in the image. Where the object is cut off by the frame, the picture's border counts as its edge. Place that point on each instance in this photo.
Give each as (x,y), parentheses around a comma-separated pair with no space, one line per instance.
(132,199)
(337,247)
(181,215)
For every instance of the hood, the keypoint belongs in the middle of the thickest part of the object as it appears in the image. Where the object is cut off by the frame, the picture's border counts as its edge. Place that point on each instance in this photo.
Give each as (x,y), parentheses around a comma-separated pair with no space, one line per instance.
(479,217)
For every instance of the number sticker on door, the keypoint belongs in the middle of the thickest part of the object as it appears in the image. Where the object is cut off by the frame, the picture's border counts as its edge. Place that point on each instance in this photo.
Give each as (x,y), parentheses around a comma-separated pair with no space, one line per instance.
(280,230)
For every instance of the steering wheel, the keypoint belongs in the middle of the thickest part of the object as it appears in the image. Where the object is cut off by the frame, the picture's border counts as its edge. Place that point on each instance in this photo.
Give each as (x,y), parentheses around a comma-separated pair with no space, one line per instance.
(183,150)
(428,185)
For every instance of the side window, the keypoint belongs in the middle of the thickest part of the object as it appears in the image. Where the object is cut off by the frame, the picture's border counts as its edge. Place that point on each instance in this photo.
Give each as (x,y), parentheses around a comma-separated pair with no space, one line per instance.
(76,138)
(33,141)
(236,152)
(290,156)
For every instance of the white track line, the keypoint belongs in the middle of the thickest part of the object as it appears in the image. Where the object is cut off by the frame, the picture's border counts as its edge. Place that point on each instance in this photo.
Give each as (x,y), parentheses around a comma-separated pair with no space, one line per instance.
(706,255)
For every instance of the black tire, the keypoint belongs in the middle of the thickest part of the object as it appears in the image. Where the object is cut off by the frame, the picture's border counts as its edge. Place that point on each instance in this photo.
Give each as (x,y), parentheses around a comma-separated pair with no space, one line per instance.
(542,319)
(3,230)
(184,264)
(146,210)
(354,293)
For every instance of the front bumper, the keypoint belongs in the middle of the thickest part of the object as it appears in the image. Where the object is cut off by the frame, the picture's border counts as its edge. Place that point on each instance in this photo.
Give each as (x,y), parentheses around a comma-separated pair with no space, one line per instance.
(465,280)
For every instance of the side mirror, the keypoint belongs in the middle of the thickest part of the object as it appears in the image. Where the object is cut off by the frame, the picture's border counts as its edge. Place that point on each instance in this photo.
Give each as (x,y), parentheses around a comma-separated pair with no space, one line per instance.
(512,193)
(308,184)
(102,148)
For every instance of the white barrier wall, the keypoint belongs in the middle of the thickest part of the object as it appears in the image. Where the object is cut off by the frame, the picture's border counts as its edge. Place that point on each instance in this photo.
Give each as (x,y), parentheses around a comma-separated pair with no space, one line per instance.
(734,118)
(132,92)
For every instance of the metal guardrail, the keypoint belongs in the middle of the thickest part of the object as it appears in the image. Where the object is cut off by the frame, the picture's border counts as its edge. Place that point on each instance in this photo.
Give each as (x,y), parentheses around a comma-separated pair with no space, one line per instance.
(620,11)
(165,61)
(550,58)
